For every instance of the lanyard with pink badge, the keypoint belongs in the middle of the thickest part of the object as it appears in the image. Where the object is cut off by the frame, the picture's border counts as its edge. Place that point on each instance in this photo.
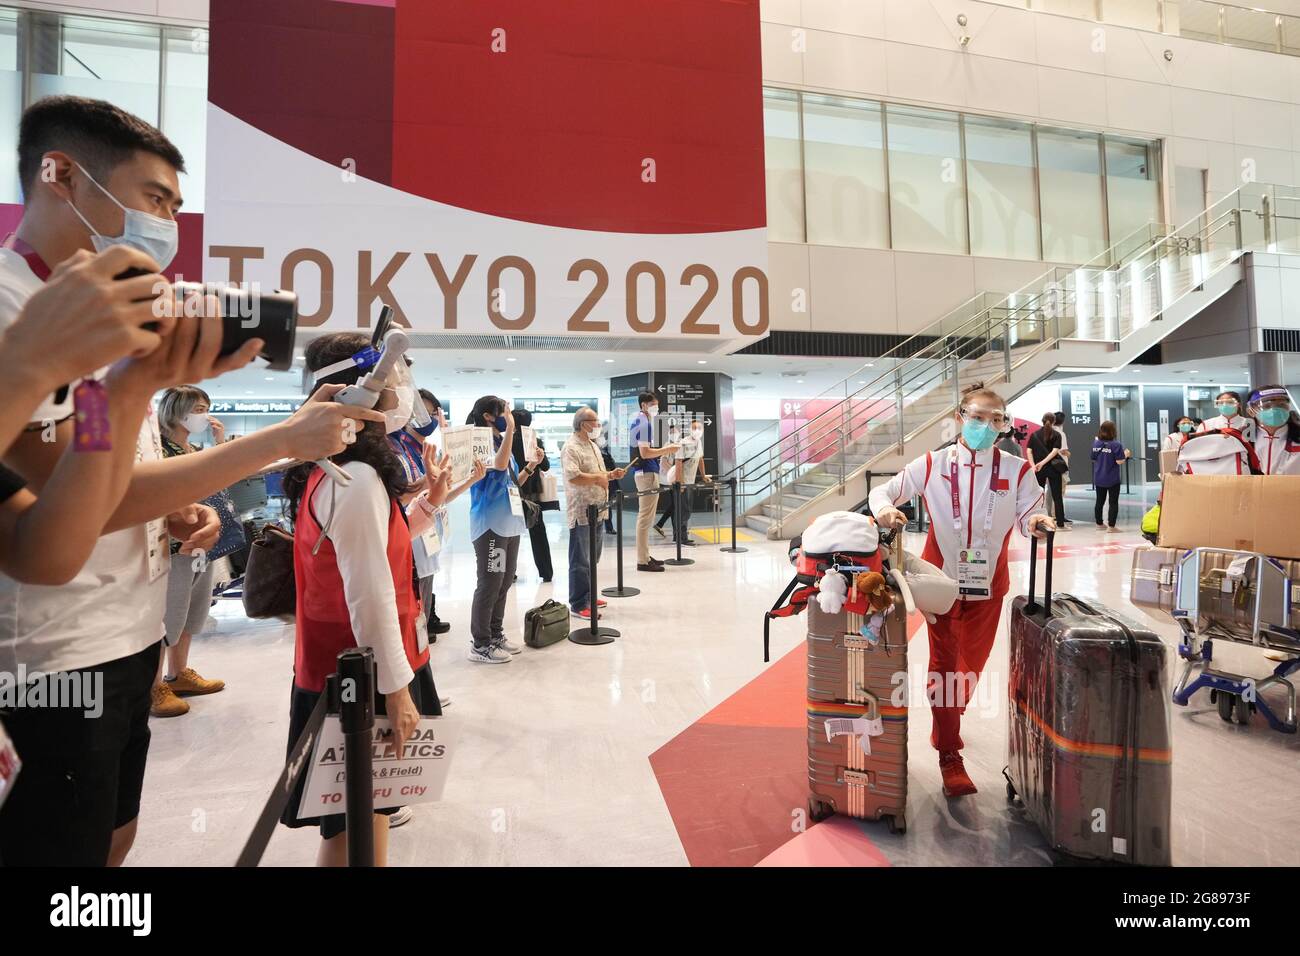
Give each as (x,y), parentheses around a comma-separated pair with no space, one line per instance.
(89,398)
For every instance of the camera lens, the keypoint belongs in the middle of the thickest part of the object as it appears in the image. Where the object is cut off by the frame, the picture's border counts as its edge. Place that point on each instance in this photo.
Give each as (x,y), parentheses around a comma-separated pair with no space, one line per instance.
(269,316)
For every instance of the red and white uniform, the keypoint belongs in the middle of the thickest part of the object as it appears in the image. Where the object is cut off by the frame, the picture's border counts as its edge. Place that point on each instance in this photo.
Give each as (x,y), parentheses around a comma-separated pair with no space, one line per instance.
(1217,454)
(1240,422)
(975,499)
(967,519)
(1277,455)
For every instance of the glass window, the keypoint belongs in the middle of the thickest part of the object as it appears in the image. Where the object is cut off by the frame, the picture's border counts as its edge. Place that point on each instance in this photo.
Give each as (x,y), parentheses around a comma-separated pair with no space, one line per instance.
(1069,177)
(844,160)
(784,166)
(11,105)
(1000,186)
(106,59)
(1132,186)
(185,106)
(927,205)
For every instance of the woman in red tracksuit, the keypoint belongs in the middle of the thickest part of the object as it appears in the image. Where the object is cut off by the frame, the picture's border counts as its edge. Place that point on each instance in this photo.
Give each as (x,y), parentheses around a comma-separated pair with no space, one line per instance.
(345,535)
(975,495)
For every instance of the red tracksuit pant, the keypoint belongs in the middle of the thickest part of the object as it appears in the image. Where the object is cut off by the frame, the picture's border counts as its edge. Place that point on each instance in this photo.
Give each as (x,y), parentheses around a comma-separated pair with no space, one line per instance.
(960,642)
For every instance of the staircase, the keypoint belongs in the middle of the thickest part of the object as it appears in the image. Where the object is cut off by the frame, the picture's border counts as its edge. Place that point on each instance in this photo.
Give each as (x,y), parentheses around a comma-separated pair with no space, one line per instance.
(1096,318)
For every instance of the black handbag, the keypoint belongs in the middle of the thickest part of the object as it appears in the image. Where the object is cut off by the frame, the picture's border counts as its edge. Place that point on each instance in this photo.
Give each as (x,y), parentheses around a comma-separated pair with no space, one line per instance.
(269,587)
(532,512)
(548,623)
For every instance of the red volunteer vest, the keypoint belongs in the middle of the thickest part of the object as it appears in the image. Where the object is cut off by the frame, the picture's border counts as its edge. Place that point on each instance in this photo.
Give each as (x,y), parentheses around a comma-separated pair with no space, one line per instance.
(323,626)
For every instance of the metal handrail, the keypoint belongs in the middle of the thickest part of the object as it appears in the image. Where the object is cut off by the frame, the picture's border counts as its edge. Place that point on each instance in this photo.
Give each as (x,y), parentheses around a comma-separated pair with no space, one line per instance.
(938,337)
(958,346)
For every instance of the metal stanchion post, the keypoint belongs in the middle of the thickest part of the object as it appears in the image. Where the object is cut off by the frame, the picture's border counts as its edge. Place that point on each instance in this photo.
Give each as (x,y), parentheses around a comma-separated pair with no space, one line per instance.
(620,590)
(593,634)
(734,549)
(678,531)
(356,683)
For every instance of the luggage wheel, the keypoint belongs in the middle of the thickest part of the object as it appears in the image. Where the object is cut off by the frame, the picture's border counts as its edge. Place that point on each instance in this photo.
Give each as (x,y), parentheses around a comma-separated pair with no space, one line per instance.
(1225,702)
(819,810)
(1243,709)
(897,824)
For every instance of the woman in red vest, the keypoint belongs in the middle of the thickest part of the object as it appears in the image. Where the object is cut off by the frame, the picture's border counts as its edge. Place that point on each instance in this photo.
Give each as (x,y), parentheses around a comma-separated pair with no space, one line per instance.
(343,536)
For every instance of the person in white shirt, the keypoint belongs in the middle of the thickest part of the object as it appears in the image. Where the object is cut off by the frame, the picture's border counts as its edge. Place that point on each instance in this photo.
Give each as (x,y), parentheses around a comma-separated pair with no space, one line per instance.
(1277,440)
(1185,427)
(94,176)
(346,536)
(976,495)
(1232,414)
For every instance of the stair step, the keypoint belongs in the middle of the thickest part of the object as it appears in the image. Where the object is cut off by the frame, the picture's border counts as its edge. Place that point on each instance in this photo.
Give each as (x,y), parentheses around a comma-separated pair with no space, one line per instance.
(811,491)
(759,523)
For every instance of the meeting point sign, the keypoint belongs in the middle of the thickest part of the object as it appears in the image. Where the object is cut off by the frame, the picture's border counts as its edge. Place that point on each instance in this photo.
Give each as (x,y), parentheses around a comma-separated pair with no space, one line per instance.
(504,167)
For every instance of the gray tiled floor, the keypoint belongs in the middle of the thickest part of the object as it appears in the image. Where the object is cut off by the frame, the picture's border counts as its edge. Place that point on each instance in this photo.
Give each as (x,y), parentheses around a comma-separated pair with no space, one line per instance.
(553,765)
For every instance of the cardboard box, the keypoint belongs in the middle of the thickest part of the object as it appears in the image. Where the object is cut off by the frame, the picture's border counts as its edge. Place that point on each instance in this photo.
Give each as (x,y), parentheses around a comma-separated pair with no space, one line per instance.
(1169,461)
(1232,513)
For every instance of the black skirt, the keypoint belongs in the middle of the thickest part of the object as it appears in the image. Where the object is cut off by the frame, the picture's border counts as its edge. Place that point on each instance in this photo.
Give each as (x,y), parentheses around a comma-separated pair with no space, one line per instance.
(301,704)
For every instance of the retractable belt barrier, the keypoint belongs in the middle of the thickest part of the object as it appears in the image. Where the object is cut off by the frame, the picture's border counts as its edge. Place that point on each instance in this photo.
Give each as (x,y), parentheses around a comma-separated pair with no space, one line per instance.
(357,716)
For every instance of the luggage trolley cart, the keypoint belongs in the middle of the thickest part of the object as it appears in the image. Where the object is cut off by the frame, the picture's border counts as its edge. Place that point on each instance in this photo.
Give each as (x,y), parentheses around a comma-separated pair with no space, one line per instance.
(1253,602)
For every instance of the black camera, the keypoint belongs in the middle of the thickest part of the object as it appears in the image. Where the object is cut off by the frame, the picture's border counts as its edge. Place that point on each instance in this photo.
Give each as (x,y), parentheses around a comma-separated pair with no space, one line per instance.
(269,316)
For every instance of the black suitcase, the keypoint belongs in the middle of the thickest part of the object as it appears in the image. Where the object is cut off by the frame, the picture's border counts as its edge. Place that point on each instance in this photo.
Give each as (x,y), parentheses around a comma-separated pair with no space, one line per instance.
(1089,753)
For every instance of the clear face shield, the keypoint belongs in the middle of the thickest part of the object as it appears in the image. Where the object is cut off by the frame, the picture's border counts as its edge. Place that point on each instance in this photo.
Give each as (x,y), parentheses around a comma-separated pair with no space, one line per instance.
(400,399)
(981,424)
(1271,406)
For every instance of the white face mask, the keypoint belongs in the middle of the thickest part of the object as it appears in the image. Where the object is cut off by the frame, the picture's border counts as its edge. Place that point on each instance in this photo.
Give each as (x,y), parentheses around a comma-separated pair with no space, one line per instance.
(195,423)
(154,236)
(594,434)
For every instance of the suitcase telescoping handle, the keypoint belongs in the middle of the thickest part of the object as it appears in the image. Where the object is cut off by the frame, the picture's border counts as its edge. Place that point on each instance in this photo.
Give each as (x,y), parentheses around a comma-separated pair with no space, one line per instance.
(1047,574)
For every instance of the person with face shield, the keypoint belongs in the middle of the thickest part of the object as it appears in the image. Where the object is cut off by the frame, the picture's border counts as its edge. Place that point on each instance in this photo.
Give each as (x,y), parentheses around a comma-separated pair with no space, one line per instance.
(1232,414)
(1184,429)
(1277,439)
(409,443)
(976,496)
(354,574)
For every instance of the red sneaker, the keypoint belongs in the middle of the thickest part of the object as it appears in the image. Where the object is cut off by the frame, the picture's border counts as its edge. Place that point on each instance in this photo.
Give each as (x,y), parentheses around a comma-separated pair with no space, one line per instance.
(600,603)
(585,614)
(956,782)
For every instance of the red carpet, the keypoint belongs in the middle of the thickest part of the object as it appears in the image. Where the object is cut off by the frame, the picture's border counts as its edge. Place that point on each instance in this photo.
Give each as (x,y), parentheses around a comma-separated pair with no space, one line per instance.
(736,781)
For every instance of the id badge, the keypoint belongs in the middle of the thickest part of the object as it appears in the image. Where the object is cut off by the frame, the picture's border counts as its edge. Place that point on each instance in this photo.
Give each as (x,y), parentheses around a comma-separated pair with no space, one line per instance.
(159,545)
(974,576)
(516,503)
(432,543)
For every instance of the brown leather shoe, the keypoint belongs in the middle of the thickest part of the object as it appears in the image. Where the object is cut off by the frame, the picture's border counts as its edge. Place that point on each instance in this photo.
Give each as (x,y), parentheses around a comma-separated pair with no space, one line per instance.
(166,704)
(189,682)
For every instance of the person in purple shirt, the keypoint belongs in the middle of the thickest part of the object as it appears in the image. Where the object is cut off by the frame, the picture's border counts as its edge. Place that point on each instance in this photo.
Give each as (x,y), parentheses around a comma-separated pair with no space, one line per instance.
(1107,454)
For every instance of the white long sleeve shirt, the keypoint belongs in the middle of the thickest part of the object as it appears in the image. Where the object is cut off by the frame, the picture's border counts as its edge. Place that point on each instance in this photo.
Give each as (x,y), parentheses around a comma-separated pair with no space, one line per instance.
(357,526)
(973,521)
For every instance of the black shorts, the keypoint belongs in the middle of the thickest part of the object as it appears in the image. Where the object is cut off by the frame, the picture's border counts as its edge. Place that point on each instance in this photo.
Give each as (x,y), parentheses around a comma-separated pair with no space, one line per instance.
(81,775)
(302,702)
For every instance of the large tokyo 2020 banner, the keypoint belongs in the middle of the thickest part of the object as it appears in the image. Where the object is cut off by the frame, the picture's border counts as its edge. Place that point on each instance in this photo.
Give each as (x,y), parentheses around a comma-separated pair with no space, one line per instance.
(493,166)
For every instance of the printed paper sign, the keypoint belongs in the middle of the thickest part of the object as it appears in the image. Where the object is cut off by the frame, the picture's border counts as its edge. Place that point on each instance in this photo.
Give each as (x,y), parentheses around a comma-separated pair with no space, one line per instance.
(463,444)
(419,777)
(1080,402)
(529,435)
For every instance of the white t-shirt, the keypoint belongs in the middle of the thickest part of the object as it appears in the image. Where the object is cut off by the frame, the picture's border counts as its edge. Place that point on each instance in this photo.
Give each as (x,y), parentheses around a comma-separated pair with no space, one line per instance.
(110,609)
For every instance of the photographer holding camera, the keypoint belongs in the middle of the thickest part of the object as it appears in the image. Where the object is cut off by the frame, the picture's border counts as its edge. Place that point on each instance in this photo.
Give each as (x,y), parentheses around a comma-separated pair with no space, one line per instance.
(94,176)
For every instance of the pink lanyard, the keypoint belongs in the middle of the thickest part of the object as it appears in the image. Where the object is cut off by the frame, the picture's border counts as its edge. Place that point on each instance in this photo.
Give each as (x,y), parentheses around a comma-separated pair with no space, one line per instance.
(954,481)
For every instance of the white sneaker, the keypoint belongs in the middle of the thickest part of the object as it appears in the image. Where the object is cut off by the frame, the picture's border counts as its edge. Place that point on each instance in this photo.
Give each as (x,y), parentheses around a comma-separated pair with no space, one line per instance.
(510,647)
(401,817)
(489,655)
